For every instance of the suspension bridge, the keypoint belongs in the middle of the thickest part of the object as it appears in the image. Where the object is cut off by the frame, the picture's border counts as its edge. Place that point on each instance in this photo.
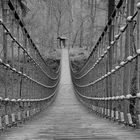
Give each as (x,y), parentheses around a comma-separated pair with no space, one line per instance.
(100,101)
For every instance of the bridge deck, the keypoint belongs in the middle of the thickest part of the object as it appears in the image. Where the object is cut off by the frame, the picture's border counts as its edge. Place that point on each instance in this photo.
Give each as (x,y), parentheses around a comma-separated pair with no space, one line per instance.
(67,119)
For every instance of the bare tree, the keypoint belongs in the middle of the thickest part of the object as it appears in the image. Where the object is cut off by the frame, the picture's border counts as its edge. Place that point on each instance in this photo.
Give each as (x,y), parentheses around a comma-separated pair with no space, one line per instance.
(92,16)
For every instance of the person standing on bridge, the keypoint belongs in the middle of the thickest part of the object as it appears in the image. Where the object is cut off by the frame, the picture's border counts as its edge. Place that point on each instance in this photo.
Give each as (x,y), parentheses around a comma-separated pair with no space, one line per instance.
(62,41)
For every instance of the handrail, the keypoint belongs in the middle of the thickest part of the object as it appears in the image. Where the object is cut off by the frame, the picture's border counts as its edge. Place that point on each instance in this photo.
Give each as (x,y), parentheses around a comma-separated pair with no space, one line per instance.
(27,34)
(122,29)
(114,98)
(122,64)
(103,33)
(26,76)
(110,84)
(28,84)
(14,39)
(29,100)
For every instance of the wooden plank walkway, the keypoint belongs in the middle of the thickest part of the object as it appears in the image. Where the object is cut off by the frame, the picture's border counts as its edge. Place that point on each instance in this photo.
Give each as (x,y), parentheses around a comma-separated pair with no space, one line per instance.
(67,119)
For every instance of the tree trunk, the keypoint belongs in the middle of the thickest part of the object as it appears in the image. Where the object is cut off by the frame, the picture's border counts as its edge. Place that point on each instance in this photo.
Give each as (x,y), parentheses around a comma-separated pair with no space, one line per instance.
(92,16)
(70,22)
(4,4)
(111,6)
(81,28)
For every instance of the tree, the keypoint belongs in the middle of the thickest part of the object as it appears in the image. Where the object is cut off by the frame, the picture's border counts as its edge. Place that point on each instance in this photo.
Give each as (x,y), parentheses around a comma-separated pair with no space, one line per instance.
(93,6)
(70,22)
(81,26)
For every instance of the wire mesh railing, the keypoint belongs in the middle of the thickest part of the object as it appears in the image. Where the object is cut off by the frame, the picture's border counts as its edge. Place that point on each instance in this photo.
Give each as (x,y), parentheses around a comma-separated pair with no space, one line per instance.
(109,83)
(27,83)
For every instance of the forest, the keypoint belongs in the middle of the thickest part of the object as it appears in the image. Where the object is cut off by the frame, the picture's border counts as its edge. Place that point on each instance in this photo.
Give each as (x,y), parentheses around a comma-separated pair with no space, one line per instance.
(38,24)
(77,20)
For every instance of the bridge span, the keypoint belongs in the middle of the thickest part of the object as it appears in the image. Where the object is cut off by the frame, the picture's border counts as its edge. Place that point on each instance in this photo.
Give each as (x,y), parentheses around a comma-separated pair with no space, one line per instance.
(67,119)
(101,101)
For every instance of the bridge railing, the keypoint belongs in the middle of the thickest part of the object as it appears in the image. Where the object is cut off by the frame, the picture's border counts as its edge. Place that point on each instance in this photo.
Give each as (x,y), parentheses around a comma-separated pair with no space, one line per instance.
(109,83)
(27,83)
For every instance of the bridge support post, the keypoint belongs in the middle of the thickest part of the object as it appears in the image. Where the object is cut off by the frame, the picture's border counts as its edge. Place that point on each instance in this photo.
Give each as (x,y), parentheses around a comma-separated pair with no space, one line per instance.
(138,72)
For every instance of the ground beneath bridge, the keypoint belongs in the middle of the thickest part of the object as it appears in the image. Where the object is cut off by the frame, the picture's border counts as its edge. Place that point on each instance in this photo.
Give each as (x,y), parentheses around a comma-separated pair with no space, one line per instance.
(67,119)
